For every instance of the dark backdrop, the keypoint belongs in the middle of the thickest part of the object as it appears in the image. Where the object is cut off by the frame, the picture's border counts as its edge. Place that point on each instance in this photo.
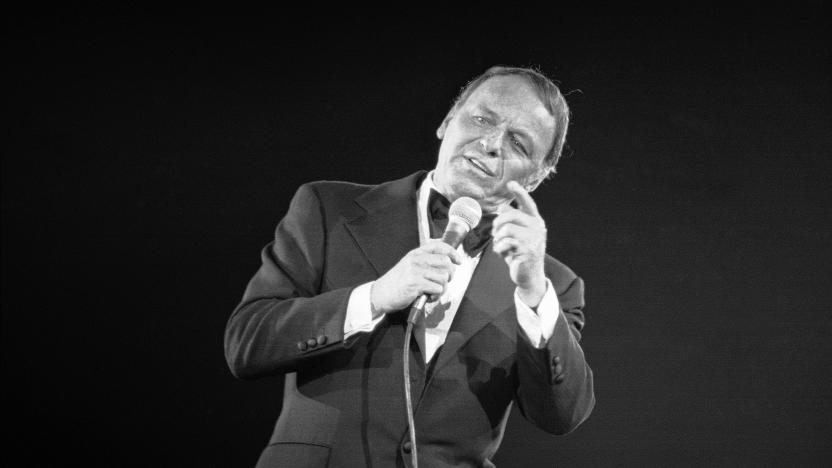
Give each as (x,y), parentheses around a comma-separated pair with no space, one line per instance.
(148,159)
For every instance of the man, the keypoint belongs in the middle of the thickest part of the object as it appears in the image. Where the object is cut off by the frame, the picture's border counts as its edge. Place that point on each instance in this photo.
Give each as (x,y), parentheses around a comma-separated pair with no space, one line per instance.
(325,307)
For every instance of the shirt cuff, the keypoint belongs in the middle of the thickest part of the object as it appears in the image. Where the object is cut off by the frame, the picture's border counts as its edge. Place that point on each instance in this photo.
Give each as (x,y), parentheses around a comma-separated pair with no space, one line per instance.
(359,317)
(539,326)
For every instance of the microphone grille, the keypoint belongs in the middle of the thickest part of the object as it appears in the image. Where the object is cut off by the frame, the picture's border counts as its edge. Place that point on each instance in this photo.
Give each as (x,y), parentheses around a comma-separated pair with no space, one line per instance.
(467,210)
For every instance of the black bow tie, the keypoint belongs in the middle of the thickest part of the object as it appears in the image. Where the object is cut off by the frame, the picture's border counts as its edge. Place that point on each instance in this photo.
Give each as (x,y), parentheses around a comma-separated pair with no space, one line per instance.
(475,241)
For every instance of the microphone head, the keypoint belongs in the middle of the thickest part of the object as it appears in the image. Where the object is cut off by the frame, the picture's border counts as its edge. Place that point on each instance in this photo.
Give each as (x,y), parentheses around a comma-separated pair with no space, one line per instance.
(465,210)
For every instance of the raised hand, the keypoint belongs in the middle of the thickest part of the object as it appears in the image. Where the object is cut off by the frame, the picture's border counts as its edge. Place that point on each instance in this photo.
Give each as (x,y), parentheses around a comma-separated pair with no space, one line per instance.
(520,238)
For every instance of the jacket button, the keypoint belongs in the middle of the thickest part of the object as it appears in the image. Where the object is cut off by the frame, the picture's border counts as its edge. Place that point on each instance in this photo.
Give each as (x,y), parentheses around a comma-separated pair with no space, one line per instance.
(322,339)
(311,342)
(407,447)
(302,345)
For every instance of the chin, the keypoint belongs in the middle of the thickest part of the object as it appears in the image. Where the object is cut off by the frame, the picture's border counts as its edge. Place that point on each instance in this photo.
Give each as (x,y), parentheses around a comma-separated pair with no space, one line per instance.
(459,183)
(466,188)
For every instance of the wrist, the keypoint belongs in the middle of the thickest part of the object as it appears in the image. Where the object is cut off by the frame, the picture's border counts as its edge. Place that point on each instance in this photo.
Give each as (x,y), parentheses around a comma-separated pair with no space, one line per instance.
(374,311)
(532,293)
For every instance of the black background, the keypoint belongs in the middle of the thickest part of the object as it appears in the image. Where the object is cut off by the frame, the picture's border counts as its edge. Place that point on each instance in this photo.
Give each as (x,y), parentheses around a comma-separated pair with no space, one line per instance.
(148,159)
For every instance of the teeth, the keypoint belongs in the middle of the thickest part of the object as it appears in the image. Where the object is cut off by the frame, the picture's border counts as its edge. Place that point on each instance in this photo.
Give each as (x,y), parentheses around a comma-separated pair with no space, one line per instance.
(479,166)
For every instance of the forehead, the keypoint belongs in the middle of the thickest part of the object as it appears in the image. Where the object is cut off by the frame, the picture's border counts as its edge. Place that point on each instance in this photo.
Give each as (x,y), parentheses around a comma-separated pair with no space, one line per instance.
(514,99)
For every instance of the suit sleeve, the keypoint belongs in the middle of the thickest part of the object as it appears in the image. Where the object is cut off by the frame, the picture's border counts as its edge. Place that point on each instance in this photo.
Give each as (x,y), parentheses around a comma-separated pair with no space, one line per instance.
(284,317)
(555,389)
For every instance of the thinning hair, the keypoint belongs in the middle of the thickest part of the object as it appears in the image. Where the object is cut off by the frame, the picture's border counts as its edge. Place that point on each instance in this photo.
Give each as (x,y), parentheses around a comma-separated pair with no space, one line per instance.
(547,91)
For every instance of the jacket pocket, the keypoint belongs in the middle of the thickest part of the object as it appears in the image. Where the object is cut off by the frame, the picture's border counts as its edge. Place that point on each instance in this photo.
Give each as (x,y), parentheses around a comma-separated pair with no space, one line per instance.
(304,420)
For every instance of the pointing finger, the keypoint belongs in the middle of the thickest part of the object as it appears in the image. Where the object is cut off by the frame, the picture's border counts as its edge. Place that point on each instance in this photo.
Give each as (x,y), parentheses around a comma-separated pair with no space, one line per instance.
(524,201)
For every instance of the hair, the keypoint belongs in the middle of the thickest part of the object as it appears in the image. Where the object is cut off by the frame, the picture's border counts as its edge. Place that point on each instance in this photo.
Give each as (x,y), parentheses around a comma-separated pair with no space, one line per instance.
(549,94)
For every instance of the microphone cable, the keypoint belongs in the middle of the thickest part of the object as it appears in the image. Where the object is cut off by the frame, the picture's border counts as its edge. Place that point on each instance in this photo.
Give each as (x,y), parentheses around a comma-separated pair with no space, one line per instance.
(415,311)
(463,214)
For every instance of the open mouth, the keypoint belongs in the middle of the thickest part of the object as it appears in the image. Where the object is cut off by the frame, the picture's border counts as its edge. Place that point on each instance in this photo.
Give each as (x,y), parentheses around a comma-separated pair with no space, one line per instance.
(480,167)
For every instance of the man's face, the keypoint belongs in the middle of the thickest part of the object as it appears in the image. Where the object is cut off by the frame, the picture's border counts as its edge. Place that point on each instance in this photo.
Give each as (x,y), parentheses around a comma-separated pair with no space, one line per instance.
(500,133)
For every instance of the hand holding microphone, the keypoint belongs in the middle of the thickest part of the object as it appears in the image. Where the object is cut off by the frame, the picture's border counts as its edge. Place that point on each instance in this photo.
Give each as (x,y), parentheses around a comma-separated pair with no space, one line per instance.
(426,270)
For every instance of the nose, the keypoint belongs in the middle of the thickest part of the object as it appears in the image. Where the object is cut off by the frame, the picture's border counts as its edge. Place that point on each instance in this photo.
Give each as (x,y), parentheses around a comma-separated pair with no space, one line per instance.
(492,142)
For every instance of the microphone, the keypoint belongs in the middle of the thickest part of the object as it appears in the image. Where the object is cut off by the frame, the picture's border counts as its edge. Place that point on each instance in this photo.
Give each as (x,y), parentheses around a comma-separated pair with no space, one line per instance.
(463,215)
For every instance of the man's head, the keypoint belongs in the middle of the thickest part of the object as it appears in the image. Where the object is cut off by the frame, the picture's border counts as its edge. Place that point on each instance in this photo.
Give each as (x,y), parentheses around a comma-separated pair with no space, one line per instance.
(507,124)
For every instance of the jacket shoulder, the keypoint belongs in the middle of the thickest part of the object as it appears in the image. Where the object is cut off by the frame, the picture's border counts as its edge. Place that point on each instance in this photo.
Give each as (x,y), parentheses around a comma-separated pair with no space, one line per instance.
(555,269)
(335,189)
(342,194)
(327,197)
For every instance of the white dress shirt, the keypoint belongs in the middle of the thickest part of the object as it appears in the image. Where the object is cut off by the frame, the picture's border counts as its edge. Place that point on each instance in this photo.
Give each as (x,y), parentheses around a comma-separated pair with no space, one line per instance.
(432,329)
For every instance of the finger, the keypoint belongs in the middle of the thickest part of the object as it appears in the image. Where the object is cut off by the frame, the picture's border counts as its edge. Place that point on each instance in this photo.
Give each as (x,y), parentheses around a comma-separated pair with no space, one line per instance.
(432,288)
(444,264)
(523,199)
(439,247)
(438,277)
(511,231)
(506,247)
(441,263)
(438,261)
(513,216)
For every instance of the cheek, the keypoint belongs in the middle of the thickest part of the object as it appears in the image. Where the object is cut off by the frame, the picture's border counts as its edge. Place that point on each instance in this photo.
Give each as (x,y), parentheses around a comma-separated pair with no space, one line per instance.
(446,150)
(461,133)
(520,170)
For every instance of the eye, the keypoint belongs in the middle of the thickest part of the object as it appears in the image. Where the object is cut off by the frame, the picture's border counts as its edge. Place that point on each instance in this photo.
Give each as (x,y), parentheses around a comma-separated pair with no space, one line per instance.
(479,119)
(518,144)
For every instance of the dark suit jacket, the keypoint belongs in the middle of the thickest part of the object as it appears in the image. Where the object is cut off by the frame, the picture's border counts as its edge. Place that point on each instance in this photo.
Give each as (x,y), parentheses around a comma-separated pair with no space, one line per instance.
(343,401)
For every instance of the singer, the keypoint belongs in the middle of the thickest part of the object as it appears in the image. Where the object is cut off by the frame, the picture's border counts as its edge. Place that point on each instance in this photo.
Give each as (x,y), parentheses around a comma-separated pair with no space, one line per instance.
(328,306)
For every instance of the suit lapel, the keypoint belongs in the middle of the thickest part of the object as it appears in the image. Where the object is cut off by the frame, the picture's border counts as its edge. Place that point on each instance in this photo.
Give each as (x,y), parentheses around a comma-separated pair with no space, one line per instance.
(489,294)
(388,229)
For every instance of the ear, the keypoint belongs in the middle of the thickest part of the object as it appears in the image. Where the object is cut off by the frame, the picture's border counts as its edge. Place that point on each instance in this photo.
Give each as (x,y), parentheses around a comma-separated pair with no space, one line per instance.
(532,186)
(440,132)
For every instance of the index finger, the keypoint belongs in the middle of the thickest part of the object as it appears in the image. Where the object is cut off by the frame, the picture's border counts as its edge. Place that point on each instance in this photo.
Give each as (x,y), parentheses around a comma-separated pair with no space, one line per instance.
(524,201)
